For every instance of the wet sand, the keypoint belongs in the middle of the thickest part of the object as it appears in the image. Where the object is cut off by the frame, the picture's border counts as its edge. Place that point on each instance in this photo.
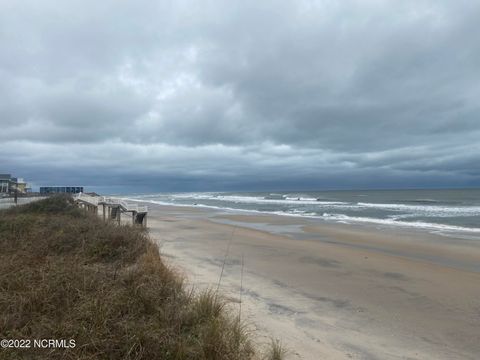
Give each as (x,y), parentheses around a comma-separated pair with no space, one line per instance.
(333,291)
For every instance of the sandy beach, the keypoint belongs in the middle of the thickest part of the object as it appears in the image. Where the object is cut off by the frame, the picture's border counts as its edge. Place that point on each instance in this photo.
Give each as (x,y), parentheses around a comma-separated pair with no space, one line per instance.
(332,291)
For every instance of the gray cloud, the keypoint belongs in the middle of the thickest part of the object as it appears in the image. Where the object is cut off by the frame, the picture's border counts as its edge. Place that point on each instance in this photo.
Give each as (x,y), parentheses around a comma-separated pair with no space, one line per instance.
(224,95)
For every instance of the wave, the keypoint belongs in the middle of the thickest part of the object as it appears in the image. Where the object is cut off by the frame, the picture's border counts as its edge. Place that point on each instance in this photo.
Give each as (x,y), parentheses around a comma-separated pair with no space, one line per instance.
(342,218)
(421,208)
(407,210)
(464,210)
(257,199)
(167,203)
(421,201)
(393,222)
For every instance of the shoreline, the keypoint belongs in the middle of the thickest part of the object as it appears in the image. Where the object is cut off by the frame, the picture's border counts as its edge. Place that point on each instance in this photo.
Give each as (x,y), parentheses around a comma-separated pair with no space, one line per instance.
(333,290)
(440,229)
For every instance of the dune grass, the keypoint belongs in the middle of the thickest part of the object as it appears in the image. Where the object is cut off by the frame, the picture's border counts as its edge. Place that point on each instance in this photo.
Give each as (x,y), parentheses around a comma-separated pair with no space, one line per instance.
(276,352)
(67,275)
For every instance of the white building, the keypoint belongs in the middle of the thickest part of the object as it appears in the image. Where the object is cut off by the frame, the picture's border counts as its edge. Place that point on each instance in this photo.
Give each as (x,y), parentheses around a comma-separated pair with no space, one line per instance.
(9,184)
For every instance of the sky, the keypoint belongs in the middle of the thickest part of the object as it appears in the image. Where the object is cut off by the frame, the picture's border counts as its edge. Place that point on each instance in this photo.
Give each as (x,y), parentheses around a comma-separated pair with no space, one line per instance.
(142,96)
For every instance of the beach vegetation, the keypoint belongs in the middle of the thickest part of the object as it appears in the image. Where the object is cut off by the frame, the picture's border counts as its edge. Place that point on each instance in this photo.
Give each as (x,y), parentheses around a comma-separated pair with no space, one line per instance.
(67,275)
(276,351)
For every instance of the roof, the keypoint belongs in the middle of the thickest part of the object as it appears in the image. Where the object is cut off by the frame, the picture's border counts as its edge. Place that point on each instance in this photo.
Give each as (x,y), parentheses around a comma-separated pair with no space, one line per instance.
(55,186)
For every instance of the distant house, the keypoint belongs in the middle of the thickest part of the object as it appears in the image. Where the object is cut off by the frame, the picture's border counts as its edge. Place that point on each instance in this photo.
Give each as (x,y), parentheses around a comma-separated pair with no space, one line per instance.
(9,184)
(22,186)
(61,189)
(5,180)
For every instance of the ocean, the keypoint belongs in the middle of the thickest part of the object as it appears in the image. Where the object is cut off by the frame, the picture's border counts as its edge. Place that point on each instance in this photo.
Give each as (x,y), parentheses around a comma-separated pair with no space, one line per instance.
(433,210)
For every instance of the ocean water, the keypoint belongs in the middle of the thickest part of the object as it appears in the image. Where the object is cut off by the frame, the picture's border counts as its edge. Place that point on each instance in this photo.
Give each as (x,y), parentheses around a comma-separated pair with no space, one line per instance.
(434,210)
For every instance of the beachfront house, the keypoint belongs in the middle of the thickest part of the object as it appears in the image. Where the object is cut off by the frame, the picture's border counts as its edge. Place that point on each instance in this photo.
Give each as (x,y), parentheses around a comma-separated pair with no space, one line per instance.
(21,185)
(9,184)
(5,183)
(61,189)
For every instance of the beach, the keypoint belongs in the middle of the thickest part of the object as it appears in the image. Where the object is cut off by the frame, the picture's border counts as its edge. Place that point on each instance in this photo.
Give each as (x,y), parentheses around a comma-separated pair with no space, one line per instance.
(298,175)
(332,291)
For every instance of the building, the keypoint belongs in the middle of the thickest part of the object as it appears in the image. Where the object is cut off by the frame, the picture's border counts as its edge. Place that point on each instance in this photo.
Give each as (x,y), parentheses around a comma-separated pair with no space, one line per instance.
(9,184)
(5,180)
(61,189)
(21,186)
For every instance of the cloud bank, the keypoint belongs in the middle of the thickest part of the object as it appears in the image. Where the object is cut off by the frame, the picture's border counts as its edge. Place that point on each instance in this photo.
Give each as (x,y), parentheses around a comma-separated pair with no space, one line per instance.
(222,95)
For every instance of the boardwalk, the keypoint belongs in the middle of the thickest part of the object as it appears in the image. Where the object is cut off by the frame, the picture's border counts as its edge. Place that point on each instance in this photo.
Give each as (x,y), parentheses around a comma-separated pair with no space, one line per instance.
(112,208)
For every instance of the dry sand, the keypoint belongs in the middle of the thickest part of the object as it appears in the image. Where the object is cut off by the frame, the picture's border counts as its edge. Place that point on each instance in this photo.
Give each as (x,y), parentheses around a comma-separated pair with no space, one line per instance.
(333,291)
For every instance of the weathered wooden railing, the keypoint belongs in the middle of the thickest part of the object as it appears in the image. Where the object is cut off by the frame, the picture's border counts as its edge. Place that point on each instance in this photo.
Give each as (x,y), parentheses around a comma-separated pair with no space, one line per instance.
(112,207)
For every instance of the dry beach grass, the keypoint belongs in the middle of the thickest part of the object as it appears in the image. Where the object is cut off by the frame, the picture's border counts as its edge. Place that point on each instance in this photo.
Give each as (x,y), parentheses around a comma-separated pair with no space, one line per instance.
(68,275)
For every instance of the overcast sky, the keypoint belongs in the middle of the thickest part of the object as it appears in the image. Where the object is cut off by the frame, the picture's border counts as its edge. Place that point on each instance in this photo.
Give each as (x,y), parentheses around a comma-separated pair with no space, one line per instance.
(250,95)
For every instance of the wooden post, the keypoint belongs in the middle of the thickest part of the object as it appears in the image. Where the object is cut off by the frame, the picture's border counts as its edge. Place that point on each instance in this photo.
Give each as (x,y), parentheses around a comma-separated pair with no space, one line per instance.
(118,215)
(133,218)
(144,222)
(103,208)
